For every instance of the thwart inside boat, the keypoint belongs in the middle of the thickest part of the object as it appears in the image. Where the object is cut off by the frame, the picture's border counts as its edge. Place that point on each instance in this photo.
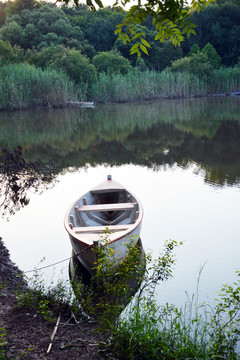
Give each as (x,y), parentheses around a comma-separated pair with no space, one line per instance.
(107,205)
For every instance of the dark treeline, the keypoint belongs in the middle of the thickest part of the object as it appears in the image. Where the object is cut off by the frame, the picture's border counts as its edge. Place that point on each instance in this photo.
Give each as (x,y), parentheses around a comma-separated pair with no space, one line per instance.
(82,44)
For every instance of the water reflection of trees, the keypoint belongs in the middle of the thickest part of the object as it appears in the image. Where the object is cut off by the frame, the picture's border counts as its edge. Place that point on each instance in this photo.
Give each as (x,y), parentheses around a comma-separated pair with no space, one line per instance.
(203,131)
(17,177)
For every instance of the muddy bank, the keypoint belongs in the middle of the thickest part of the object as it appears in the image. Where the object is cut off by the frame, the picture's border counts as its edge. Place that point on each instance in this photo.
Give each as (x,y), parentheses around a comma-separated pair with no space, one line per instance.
(27,333)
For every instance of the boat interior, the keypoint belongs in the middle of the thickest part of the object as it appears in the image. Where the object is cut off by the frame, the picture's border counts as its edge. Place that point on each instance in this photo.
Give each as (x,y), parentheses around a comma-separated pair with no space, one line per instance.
(115,209)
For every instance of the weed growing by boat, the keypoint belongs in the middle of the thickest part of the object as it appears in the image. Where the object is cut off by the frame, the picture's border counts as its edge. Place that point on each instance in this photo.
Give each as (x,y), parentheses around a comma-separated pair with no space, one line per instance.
(3,342)
(47,301)
(112,286)
(144,330)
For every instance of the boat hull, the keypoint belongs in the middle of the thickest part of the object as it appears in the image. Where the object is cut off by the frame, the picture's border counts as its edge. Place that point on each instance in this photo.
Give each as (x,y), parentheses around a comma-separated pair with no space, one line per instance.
(86,254)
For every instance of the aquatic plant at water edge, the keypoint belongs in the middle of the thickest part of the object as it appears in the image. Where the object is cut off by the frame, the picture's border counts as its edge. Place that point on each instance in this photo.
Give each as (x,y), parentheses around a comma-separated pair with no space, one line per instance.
(144,330)
(3,342)
(112,287)
(148,85)
(46,300)
(225,80)
(23,86)
(137,85)
(194,331)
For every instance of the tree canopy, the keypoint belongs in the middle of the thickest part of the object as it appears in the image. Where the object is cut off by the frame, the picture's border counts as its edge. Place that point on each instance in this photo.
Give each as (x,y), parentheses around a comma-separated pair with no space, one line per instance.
(171,19)
(65,37)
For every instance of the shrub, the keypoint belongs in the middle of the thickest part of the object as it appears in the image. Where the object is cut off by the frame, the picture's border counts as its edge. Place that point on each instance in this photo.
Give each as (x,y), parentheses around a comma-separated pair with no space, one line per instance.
(111,62)
(71,61)
(198,64)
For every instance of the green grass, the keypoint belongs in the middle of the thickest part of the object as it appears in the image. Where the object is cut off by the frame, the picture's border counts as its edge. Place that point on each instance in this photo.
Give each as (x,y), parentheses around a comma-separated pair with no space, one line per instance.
(3,342)
(147,85)
(225,80)
(195,331)
(145,330)
(24,86)
(137,85)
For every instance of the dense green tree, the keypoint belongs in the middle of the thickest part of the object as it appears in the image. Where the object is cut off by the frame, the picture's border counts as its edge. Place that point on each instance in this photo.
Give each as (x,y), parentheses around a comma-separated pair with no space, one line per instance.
(160,55)
(219,26)
(97,27)
(3,6)
(8,54)
(199,62)
(12,32)
(194,49)
(229,2)
(44,57)
(71,61)
(213,56)
(170,18)
(110,62)
(40,27)
(77,66)
(16,6)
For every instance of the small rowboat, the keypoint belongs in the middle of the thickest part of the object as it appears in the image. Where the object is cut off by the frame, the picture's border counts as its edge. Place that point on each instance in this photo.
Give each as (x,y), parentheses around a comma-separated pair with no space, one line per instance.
(107,215)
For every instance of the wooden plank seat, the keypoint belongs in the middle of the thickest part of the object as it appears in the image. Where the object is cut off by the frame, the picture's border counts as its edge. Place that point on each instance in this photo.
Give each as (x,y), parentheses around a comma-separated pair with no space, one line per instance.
(106,207)
(100,229)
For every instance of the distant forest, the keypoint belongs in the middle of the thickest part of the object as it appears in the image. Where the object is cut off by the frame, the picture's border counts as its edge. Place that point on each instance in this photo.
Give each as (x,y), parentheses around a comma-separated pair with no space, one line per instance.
(81,43)
(32,26)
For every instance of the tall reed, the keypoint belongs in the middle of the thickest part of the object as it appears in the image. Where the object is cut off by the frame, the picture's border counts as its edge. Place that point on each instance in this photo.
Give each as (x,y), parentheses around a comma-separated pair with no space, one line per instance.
(225,80)
(147,85)
(24,86)
(137,85)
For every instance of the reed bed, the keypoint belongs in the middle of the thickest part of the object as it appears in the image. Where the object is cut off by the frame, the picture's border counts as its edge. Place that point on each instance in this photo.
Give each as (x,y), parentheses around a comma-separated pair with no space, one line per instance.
(147,85)
(225,80)
(137,85)
(23,86)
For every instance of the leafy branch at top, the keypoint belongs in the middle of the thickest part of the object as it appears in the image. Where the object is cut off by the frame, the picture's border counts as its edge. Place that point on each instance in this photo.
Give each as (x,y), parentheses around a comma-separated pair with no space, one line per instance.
(171,19)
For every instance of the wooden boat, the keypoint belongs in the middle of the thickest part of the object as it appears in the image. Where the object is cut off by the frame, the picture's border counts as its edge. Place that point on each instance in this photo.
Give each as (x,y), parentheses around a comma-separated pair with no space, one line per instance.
(89,104)
(107,215)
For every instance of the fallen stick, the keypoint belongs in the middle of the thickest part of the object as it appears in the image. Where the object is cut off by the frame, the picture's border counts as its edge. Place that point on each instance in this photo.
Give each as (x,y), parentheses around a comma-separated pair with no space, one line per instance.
(53,334)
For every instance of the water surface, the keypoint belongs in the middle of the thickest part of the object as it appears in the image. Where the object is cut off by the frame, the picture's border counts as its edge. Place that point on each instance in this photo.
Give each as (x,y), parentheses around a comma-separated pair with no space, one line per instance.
(180,157)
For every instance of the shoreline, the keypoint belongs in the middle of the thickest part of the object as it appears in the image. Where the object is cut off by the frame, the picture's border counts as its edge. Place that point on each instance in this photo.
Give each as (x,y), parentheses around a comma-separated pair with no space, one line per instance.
(91,104)
(27,333)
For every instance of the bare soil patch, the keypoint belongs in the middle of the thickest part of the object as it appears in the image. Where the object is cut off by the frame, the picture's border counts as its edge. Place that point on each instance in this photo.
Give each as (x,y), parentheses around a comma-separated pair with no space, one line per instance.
(27,333)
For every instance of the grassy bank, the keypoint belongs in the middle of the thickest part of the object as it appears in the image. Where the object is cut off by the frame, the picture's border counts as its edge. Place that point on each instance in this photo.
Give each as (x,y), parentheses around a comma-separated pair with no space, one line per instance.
(225,80)
(23,86)
(147,85)
(145,330)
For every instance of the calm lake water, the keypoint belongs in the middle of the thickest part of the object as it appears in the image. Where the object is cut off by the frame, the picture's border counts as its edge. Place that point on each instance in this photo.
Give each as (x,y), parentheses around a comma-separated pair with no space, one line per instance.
(180,157)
